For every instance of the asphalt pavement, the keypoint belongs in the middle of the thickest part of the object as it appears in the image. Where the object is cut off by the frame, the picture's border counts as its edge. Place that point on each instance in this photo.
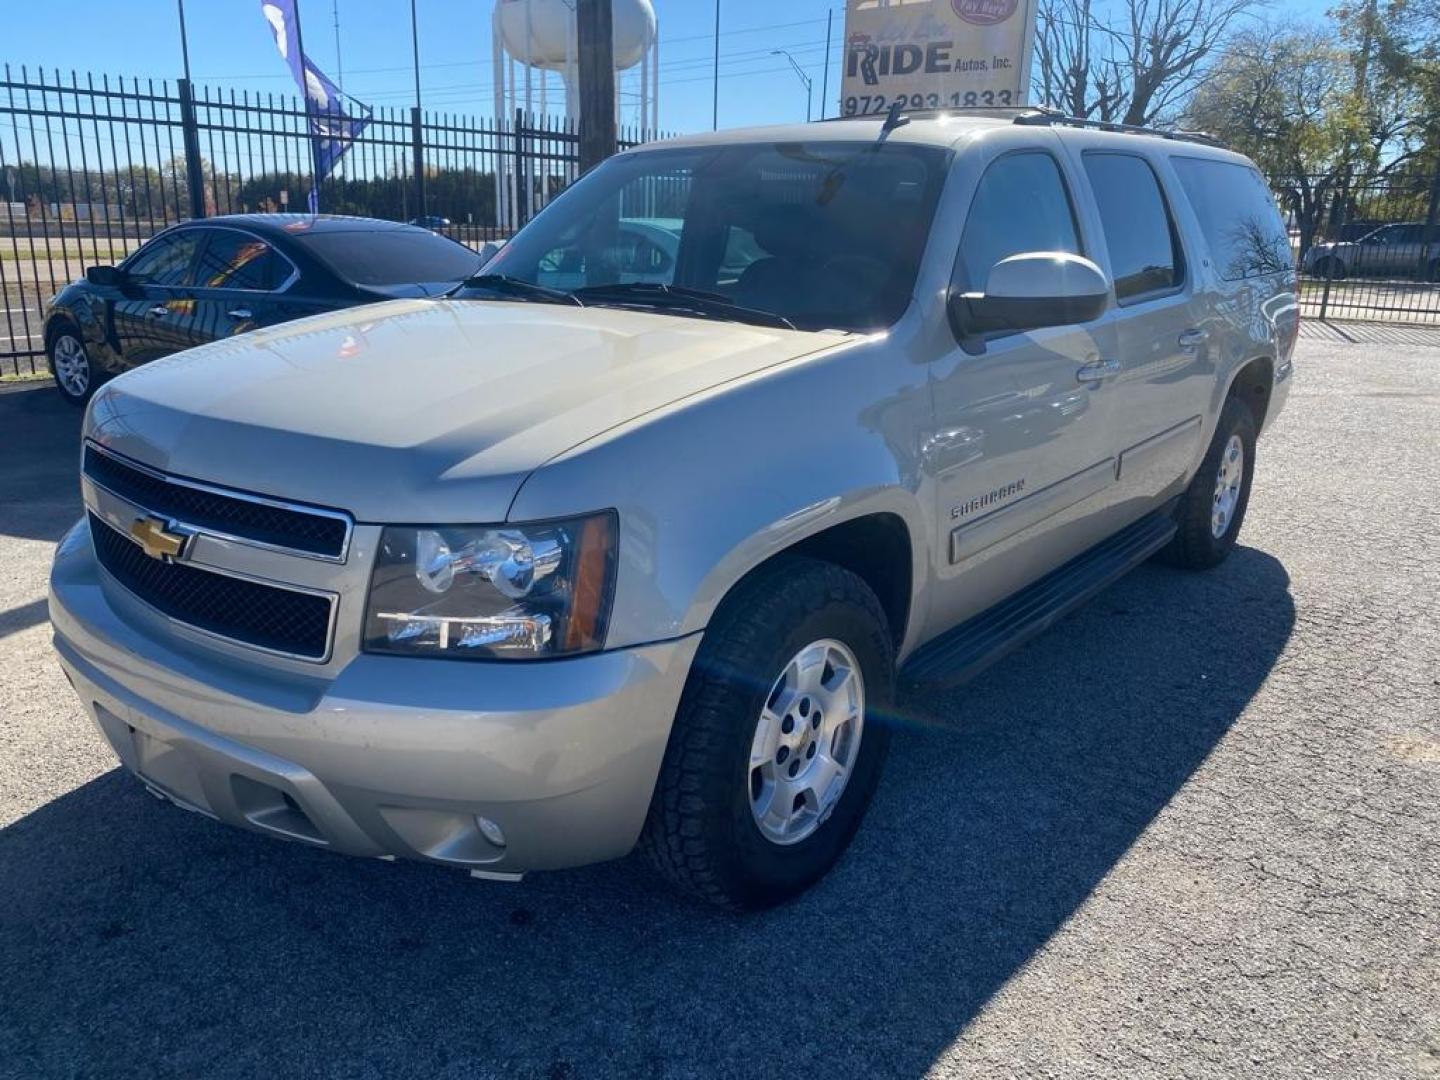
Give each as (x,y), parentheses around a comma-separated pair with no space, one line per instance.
(1194,830)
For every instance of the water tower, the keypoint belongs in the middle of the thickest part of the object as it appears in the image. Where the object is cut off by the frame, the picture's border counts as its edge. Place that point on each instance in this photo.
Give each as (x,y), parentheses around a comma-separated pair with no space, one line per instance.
(531,39)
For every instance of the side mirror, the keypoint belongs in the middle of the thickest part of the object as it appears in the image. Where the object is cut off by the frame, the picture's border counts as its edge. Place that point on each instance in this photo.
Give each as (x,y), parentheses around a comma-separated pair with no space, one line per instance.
(1030,291)
(106,276)
(489,250)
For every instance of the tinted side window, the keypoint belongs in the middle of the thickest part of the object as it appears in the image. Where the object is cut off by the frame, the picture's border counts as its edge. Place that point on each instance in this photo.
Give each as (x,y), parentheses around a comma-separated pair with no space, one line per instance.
(1242,228)
(165,261)
(1021,205)
(236,260)
(1144,251)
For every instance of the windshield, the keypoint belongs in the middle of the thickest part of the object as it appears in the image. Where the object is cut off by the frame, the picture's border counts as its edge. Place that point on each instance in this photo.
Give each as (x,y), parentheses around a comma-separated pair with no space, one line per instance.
(822,235)
(391,256)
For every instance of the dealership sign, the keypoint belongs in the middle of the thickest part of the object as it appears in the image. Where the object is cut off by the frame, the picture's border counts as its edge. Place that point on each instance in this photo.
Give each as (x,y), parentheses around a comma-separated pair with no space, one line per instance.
(936,54)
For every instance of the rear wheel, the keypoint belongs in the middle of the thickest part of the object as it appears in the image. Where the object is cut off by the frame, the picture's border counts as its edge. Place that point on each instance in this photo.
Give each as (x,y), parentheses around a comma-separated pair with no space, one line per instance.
(1212,509)
(75,376)
(779,738)
(1330,268)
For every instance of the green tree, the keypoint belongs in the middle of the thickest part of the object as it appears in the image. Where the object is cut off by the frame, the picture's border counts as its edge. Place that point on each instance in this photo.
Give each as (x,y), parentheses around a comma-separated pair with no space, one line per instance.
(1286,98)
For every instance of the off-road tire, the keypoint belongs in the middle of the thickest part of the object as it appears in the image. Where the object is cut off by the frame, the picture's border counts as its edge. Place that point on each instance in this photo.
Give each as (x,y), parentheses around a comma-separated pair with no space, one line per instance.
(1195,546)
(700,832)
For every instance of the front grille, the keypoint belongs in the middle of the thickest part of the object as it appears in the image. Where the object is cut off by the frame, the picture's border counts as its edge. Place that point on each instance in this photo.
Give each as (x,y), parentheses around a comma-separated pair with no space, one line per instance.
(266,616)
(205,508)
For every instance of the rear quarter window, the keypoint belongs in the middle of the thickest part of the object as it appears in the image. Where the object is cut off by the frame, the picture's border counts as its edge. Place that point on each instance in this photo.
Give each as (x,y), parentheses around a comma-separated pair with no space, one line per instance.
(1242,228)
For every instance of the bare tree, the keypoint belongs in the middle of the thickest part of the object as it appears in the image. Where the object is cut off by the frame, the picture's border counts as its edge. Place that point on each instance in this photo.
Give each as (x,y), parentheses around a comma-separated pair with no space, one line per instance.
(1142,67)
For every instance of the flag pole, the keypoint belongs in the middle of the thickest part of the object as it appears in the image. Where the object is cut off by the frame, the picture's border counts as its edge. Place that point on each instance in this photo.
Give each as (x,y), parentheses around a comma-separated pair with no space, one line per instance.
(309,114)
(184,40)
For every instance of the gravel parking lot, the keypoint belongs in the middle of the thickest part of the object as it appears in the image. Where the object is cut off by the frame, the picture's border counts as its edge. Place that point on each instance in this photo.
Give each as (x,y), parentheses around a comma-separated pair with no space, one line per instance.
(1193,830)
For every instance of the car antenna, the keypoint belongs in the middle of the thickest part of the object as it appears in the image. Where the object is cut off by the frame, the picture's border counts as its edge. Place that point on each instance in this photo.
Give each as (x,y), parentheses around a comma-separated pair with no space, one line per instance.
(892,121)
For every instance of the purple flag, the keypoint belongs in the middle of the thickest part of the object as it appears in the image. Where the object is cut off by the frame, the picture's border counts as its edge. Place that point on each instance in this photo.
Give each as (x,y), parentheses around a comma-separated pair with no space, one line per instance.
(333,129)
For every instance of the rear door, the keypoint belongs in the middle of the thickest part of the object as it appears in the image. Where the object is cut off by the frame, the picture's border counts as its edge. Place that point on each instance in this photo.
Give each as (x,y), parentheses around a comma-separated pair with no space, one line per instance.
(1402,254)
(155,315)
(1165,353)
(243,282)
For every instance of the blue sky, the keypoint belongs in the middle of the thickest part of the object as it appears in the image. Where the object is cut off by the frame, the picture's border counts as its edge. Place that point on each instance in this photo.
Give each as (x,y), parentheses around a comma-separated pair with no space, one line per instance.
(230,46)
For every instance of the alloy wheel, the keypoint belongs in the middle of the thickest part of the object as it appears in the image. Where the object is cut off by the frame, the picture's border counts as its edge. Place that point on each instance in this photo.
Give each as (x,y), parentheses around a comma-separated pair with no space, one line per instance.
(1228,481)
(72,367)
(806,742)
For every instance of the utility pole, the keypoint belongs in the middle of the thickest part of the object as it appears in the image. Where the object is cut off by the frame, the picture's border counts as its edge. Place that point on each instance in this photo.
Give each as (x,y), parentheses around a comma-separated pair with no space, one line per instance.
(417,120)
(715,113)
(339,65)
(596,39)
(184,41)
(825,80)
(415,49)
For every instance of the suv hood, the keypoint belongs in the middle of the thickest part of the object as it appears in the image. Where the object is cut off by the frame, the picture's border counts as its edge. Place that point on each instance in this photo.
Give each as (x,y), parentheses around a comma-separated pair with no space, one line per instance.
(418,410)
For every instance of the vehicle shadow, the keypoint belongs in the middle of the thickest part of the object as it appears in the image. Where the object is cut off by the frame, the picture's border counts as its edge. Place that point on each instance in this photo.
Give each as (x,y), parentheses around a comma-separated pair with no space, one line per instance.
(39,463)
(156,942)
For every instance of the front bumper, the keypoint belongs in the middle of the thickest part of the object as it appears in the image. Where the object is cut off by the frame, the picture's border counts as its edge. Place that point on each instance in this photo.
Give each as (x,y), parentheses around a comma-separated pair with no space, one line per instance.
(392,756)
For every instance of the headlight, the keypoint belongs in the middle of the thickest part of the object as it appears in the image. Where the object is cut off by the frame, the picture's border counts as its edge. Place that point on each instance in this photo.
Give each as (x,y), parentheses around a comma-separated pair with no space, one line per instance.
(503,592)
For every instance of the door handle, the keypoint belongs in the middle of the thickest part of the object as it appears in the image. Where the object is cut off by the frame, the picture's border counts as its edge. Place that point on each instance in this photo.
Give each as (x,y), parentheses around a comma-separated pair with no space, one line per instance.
(159,311)
(1193,339)
(1098,371)
(240,313)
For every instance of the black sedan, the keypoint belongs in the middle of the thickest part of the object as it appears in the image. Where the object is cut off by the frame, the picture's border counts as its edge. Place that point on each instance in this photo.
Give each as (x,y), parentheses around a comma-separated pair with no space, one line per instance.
(210,279)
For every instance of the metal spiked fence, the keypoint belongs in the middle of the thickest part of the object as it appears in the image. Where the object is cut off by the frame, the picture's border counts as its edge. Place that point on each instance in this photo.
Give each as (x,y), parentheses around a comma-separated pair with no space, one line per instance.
(93,166)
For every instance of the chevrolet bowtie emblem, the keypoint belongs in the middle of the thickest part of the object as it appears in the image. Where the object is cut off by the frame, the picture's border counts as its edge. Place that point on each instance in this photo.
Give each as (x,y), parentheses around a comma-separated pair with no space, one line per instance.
(157,541)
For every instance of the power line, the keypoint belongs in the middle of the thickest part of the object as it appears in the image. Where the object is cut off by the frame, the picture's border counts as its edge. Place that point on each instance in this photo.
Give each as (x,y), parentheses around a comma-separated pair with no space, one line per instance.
(485,62)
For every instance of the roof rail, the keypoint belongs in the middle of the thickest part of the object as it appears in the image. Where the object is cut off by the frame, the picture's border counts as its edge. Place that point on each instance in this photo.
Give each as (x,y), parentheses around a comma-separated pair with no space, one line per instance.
(1044,116)
(1040,115)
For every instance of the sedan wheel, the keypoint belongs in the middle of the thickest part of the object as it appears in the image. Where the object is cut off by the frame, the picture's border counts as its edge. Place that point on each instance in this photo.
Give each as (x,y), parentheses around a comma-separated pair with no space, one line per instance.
(73,373)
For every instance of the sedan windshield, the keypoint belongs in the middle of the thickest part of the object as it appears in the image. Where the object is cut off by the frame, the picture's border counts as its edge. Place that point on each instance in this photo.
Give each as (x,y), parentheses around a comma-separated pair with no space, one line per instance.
(815,235)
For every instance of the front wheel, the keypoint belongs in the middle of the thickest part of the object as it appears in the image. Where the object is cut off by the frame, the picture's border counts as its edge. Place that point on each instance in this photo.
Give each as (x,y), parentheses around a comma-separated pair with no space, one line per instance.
(75,376)
(779,739)
(1212,509)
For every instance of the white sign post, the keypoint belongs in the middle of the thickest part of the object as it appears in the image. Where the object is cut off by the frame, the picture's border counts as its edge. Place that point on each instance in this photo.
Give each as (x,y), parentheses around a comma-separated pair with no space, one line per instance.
(936,54)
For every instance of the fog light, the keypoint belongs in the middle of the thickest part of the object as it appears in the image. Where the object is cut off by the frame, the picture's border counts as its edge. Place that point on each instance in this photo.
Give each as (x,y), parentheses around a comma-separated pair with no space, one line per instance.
(490,831)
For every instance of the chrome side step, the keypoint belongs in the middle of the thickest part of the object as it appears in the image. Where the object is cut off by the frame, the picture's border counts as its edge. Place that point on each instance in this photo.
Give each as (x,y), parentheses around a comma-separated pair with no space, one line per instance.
(958,655)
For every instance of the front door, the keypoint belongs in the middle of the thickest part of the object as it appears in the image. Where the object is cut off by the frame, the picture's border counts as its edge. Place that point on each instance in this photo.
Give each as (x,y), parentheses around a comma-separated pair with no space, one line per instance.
(1021,457)
(154,314)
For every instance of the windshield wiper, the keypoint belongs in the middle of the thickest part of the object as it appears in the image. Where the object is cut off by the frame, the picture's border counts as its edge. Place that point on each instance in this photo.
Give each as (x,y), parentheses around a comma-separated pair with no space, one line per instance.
(681,298)
(519,287)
